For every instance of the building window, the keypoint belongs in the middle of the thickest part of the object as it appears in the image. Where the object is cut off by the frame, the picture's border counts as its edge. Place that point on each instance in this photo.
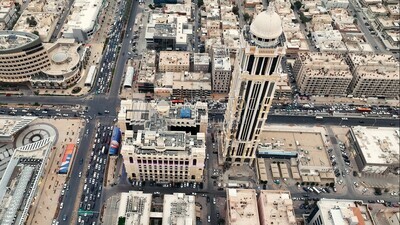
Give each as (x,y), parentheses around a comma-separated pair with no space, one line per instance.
(130,159)
(194,162)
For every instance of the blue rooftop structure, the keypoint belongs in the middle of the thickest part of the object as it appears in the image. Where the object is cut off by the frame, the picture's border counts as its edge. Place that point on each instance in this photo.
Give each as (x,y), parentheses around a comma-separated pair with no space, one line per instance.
(186,113)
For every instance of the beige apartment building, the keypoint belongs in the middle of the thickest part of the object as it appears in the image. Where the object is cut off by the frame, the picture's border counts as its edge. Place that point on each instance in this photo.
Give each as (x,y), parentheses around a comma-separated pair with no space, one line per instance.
(276,207)
(374,75)
(163,142)
(164,156)
(322,74)
(271,207)
(241,207)
(174,61)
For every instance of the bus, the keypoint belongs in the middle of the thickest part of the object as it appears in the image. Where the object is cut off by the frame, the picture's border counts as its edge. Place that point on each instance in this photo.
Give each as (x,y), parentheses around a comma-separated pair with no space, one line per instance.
(363,109)
(177,101)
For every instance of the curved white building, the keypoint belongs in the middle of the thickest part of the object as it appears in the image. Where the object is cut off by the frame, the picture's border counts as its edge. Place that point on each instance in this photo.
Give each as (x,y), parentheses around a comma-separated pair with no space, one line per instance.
(24,59)
(252,87)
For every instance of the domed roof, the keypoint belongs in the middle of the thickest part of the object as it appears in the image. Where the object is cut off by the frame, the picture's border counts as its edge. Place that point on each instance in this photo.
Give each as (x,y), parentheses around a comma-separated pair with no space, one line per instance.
(267,24)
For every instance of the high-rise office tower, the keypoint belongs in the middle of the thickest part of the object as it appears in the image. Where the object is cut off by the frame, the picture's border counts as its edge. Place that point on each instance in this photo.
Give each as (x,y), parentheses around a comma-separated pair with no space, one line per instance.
(252,87)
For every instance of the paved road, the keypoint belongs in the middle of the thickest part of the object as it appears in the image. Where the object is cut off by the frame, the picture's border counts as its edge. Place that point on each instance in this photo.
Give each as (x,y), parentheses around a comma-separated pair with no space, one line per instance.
(376,45)
(61,20)
(97,104)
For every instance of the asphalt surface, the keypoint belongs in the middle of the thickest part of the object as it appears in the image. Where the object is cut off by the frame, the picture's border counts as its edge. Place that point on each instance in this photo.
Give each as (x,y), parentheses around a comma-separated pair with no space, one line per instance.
(97,107)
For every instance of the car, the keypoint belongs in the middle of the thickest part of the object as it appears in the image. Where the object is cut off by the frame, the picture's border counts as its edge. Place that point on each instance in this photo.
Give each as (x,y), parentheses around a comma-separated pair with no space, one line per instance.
(209,219)
(61,205)
(214,201)
(62,192)
(80,174)
(64,218)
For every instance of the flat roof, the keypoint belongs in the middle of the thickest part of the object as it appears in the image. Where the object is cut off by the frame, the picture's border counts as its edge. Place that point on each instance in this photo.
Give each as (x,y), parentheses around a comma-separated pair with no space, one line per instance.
(344,212)
(307,141)
(9,125)
(378,145)
(64,56)
(277,206)
(83,15)
(242,207)
(201,58)
(45,23)
(179,209)
(168,58)
(135,206)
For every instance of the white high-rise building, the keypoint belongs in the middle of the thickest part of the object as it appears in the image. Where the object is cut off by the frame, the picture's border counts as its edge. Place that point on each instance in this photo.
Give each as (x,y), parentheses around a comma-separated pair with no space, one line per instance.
(252,88)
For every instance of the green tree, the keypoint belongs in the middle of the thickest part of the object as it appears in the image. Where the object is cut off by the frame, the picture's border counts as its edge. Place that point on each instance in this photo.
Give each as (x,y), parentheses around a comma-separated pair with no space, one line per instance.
(35,32)
(246,17)
(200,3)
(121,220)
(298,5)
(17,6)
(303,18)
(378,191)
(235,10)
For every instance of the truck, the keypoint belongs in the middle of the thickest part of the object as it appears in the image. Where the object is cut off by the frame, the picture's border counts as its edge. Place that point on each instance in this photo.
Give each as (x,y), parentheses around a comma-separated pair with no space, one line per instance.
(319,117)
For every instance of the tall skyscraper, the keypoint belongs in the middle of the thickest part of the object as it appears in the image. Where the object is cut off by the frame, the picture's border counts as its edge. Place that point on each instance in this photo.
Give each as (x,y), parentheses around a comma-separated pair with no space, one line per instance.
(252,87)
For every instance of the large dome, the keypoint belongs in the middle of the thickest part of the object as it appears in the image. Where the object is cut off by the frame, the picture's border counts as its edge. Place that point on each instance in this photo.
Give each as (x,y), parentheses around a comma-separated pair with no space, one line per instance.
(267,24)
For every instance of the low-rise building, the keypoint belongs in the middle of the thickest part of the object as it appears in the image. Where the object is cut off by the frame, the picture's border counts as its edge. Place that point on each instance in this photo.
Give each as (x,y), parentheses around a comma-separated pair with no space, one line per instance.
(45,24)
(374,75)
(174,61)
(335,4)
(201,62)
(135,207)
(276,207)
(81,22)
(321,22)
(376,149)
(356,42)
(283,91)
(179,9)
(271,207)
(394,10)
(176,208)
(306,149)
(338,211)
(168,32)
(179,208)
(146,75)
(221,70)
(183,85)
(343,21)
(241,207)
(322,74)
(329,41)
(8,13)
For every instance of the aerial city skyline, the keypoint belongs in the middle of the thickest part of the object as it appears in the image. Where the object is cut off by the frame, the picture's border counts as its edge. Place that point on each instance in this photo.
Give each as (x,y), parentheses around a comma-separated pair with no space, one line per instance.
(180,112)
